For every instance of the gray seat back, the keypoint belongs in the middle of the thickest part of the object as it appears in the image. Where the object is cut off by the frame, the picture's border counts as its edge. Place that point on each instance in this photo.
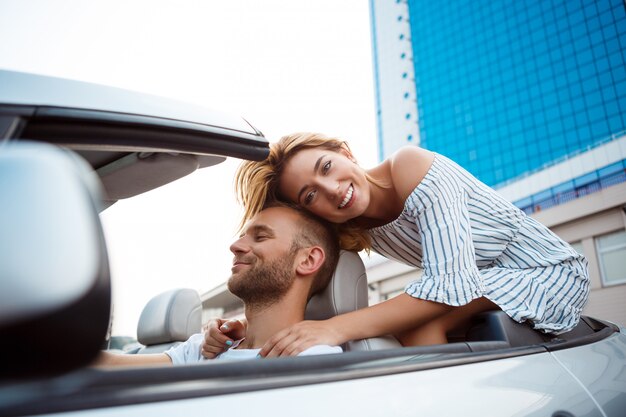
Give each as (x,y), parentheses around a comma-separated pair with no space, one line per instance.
(347,291)
(169,319)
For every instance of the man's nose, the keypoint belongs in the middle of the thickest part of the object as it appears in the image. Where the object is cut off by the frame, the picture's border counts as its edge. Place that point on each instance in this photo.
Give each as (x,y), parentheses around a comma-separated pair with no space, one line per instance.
(239,245)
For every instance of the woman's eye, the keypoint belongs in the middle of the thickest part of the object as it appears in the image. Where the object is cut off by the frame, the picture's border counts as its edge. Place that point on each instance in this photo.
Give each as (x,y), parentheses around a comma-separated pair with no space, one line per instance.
(261,237)
(326,167)
(309,197)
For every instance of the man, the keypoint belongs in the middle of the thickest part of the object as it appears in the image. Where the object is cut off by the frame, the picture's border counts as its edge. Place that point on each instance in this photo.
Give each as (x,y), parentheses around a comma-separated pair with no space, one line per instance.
(282,258)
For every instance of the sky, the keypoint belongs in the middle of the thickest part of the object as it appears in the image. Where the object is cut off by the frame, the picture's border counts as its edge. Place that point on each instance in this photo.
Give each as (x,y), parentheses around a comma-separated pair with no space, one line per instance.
(286,66)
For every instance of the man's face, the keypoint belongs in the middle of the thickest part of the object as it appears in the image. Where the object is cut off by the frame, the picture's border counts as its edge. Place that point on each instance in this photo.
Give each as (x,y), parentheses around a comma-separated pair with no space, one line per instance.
(263,265)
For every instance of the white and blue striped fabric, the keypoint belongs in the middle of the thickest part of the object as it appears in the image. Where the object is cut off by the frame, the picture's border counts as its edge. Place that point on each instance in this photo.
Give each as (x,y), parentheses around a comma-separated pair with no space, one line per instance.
(473,243)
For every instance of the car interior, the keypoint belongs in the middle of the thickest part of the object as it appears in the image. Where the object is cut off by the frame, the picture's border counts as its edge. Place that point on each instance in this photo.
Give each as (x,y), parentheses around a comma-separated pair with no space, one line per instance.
(173,316)
(168,319)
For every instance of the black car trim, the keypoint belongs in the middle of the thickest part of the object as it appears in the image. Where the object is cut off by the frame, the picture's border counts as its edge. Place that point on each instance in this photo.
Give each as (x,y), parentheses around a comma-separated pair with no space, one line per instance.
(120,131)
(105,389)
(605,331)
(49,112)
(142,138)
(9,126)
(17,110)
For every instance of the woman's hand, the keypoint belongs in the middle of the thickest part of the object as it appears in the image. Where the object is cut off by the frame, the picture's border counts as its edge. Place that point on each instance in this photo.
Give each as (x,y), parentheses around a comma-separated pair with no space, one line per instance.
(220,334)
(299,337)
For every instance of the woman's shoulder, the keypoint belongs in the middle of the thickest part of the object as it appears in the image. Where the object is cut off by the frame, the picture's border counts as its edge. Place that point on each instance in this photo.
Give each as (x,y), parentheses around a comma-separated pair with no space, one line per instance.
(408,166)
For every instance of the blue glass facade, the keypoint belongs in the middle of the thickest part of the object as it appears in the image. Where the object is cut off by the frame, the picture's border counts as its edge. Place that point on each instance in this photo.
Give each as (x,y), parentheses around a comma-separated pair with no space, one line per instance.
(581,186)
(504,87)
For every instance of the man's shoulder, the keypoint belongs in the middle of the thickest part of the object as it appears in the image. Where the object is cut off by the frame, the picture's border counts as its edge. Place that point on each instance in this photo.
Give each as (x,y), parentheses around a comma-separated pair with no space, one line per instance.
(188,351)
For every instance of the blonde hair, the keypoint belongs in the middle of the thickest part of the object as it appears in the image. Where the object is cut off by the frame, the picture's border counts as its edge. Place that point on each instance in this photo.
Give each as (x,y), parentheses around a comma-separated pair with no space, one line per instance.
(257,183)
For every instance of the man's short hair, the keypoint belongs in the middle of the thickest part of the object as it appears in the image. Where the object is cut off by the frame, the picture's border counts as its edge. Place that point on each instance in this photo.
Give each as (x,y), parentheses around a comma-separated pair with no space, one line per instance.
(315,231)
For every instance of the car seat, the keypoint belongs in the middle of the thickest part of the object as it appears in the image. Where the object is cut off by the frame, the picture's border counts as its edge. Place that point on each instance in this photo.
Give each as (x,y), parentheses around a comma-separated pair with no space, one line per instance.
(168,319)
(347,291)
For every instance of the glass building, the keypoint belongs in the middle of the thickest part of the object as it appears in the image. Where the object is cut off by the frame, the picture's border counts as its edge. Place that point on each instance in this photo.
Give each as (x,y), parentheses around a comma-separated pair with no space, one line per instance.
(504,87)
(395,85)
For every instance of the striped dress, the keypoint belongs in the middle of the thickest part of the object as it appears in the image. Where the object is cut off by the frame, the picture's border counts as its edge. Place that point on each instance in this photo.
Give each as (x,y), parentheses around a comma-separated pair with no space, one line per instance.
(471,243)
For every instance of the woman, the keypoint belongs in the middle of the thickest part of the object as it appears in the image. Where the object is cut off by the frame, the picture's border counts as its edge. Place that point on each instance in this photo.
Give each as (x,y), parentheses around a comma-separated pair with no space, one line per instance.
(477,251)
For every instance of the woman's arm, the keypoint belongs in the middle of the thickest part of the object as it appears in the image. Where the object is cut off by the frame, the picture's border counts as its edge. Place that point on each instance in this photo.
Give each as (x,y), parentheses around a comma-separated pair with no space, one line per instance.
(389,317)
(400,313)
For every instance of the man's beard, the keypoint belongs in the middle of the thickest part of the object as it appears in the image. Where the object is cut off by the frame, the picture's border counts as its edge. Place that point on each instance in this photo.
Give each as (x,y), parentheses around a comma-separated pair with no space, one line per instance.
(263,285)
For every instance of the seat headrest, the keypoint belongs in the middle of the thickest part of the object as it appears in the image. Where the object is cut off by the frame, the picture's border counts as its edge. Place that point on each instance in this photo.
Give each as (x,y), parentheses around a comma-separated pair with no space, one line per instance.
(172,316)
(347,290)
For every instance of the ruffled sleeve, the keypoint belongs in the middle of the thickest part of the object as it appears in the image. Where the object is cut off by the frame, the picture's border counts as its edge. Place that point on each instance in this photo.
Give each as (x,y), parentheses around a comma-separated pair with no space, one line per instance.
(450,273)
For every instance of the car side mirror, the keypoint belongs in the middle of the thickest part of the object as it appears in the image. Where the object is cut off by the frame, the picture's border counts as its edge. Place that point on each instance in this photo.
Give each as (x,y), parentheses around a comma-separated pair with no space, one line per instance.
(55,294)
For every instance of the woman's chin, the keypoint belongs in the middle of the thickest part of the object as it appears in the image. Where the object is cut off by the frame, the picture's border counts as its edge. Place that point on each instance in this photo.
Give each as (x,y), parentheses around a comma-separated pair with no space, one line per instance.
(340,215)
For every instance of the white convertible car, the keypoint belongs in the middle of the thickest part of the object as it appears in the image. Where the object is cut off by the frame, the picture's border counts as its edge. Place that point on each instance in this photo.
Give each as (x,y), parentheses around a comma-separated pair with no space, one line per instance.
(69,150)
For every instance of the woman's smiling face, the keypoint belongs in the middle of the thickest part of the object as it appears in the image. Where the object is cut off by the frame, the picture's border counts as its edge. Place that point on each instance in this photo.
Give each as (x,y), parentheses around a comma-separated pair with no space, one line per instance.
(327,183)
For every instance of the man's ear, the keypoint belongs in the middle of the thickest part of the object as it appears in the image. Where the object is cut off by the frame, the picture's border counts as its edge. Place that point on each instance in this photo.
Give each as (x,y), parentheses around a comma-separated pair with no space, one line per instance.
(310,261)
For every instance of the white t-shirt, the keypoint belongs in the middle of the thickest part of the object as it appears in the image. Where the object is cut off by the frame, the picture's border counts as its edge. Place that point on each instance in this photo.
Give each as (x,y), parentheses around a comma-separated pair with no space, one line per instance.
(190,351)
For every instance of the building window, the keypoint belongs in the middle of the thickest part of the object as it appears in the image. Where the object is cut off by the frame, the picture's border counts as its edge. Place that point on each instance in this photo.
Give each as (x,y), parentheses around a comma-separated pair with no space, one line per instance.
(612,257)
(578,247)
